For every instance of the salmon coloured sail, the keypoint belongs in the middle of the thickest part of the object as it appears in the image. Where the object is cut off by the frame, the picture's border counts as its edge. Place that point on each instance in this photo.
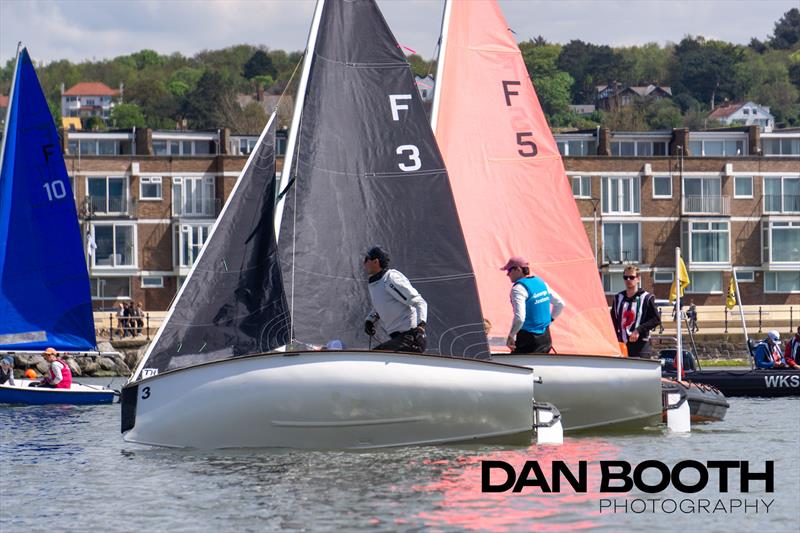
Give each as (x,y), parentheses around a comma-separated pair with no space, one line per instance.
(511,191)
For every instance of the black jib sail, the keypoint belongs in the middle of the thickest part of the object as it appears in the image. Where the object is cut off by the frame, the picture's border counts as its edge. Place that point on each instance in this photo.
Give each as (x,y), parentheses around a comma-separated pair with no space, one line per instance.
(233,302)
(369,172)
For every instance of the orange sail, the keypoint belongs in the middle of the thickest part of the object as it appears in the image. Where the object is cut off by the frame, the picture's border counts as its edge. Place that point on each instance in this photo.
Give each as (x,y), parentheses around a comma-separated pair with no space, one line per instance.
(511,191)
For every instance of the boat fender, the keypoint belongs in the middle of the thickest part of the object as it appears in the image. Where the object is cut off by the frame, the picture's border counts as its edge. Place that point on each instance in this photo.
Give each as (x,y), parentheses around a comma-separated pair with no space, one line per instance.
(678,414)
(547,423)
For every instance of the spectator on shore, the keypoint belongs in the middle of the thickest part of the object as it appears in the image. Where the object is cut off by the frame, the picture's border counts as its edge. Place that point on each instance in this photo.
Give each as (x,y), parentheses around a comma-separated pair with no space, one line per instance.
(7,371)
(691,314)
(138,323)
(122,322)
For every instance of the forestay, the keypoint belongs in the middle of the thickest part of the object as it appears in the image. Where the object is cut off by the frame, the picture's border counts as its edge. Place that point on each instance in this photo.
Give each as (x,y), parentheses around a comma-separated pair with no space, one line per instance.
(368,172)
(44,283)
(232,303)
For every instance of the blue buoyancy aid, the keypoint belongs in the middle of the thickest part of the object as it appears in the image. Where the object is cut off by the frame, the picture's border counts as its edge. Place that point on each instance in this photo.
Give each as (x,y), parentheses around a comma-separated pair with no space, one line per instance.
(537,306)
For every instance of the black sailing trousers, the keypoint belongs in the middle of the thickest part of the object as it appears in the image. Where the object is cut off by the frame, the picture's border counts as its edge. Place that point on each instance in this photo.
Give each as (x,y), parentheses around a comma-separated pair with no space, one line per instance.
(412,340)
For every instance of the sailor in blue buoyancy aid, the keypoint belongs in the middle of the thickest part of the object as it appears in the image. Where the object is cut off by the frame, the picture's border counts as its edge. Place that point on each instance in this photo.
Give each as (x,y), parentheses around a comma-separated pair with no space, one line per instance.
(396,303)
(768,353)
(535,306)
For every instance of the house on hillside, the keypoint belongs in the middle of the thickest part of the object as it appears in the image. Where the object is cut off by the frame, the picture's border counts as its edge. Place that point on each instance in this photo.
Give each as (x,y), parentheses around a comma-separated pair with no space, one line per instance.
(746,113)
(89,99)
(609,97)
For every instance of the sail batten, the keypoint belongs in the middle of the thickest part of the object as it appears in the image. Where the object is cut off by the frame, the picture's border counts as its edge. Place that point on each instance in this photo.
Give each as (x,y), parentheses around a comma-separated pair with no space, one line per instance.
(45,298)
(509,182)
(368,172)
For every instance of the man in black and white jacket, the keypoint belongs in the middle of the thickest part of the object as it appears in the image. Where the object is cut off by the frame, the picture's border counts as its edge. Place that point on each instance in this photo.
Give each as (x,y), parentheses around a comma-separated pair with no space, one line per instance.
(396,303)
(634,315)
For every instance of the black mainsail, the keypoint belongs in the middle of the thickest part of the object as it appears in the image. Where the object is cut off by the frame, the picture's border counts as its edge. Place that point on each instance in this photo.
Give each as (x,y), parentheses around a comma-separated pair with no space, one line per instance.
(233,302)
(368,172)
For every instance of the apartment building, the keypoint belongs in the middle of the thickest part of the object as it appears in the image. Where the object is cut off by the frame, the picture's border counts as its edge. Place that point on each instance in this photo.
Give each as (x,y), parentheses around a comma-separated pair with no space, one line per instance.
(730,199)
(146,203)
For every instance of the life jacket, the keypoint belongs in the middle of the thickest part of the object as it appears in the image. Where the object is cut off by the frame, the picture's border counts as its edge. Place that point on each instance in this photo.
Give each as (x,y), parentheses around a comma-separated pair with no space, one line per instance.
(66,375)
(537,306)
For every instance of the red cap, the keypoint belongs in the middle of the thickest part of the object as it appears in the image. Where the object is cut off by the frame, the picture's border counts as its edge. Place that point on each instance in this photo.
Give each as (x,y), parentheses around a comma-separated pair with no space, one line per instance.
(515,261)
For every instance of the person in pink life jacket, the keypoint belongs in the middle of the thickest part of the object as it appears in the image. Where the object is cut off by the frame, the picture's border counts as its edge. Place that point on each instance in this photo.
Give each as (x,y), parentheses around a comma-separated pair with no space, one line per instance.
(59,375)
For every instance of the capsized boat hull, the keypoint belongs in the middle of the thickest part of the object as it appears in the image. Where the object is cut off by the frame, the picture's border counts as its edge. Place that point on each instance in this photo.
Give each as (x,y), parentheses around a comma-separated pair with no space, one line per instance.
(78,394)
(331,400)
(596,391)
(706,403)
(757,382)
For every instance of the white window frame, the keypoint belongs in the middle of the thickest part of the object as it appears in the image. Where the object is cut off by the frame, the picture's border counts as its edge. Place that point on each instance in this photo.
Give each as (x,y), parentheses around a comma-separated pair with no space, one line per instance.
(660,196)
(767,276)
(633,183)
(134,234)
(689,233)
(125,193)
(97,279)
(612,276)
(158,284)
(692,285)
(735,179)
(182,230)
(638,251)
(751,274)
(764,201)
(584,186)
(766,239)
(705,198)
(207,187)
(666,274)
(150,180)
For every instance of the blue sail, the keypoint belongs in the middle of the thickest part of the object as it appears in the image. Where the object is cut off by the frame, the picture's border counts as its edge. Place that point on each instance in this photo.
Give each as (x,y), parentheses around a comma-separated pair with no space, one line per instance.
(44,285)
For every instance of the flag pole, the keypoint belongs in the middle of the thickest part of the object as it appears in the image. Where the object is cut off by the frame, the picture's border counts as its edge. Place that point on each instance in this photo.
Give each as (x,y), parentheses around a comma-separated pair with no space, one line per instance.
(741,314)
(678,317)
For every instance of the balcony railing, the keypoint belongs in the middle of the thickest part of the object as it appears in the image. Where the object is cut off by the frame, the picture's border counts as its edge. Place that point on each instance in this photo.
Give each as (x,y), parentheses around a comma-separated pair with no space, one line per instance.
(781,203)
(114,205)
(710,205)
(632,255)
(196,208)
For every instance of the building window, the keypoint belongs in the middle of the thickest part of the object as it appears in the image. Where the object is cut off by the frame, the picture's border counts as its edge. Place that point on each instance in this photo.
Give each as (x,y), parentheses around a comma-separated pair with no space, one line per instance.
(621,243)
(782,281)
(638,148)
(663,277)
(152,282)
(716,148)
(781,146)
(702,195)
(573,148)
(745,276)
(111,288)
(707,242)
(150,188)
(743,187)
(108,195)
(782,195)
(613,282)
(160,148)
(115,245)
(780,241)
(620,195)
(662,187)
(193,197)
(191,238)
(705,282)
(581,187)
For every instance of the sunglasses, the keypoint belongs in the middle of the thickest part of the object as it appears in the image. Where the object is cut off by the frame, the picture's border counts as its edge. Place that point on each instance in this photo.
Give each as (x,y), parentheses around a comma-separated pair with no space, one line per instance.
(629,278)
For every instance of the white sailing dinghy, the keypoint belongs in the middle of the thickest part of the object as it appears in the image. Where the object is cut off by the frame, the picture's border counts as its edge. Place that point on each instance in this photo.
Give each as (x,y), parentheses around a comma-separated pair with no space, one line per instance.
(368,172)
(513,198)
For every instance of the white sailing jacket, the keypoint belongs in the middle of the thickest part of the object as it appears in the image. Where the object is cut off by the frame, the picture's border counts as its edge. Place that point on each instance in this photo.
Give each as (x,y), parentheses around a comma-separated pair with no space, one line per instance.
(396,303)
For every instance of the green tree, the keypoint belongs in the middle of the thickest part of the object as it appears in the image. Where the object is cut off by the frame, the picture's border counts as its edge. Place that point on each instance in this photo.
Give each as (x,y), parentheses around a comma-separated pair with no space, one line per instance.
(554,92)
(126,116)
(159,107)
(259,64)
(649,64)
(705,69)
(787,31)
(419,66)
(208,104)
(146,58)
(591,65)
(95,124)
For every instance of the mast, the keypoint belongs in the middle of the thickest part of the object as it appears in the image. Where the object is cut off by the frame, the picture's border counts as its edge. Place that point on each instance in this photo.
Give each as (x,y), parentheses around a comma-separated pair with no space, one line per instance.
(151,347)
(440,64)
(678,313)
(741,313)
(10,105)
(296,115)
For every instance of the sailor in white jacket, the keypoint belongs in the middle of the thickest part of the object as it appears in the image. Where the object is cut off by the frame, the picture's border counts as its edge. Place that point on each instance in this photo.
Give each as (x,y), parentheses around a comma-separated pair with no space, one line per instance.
(398,305)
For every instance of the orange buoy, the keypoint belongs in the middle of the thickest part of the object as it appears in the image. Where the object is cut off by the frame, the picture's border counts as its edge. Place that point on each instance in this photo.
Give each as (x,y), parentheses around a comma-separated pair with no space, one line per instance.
(31,374)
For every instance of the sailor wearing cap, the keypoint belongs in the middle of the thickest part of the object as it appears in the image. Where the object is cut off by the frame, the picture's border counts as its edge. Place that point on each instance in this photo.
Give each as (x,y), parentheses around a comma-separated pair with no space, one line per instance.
(60,376)
(535,306)
(398,305)
(768,352)
(7,370)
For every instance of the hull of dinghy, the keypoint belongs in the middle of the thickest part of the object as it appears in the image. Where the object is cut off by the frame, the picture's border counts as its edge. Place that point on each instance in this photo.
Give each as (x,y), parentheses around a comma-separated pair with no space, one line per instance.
(331,400)
(21,394)
(596,391)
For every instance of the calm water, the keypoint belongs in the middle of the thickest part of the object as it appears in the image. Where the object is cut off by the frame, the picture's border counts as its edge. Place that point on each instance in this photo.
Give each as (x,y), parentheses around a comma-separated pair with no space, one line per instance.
(69,464)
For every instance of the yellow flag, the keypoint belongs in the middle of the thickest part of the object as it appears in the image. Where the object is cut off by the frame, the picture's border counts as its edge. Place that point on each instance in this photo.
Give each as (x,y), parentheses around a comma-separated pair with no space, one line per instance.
(730,301)
(683,277)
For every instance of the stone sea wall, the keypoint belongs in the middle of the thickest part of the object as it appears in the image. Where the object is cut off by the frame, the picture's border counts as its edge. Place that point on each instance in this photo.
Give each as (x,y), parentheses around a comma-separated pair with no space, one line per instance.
(92,365)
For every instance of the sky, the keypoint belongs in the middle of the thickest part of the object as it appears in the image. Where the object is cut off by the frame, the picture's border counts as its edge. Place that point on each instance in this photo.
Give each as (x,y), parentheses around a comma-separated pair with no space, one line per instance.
(98,29)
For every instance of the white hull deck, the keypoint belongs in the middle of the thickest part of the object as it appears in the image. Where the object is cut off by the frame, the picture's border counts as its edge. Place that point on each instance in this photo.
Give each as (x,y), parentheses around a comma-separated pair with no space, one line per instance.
(596,391)
(331,400)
